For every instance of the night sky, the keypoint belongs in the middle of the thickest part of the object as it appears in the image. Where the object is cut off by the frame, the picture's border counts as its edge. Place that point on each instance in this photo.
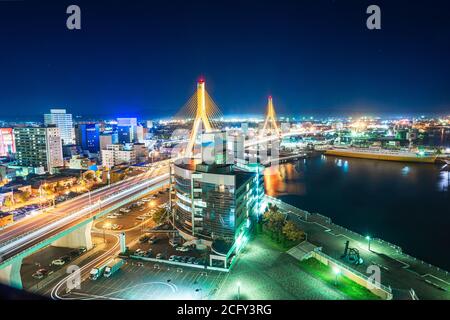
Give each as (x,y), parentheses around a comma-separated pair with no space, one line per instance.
(142,58)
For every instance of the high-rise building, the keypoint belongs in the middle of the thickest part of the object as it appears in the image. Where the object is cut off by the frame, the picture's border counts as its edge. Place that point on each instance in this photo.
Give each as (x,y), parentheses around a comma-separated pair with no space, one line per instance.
(88,136)
(125,134)
(7,145)
(38,147)
(63,121)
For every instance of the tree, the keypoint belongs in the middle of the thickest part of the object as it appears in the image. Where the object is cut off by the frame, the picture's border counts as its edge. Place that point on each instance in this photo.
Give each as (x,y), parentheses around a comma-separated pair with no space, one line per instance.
(274,221)
(292,232)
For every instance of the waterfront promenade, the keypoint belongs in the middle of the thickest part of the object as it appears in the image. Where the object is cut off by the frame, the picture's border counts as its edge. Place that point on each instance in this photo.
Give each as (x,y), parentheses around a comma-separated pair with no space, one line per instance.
(399,271)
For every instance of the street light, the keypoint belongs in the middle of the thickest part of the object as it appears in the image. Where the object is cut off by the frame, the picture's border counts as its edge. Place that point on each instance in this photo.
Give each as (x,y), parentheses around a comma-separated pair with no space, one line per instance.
(337,272)
(199,292)
(368,239)
(239,291)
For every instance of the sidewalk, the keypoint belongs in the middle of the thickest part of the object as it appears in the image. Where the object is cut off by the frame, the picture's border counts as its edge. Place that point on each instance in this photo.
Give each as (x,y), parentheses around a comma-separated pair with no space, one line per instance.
(398,270)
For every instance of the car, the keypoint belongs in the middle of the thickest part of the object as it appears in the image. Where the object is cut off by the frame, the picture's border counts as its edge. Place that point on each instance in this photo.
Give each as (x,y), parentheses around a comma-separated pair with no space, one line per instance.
(177,258)
(143,239)
(37,275)
(82,250)
(124,210)
(191,260)
(159,256)
(139,252)
(149,253)
(184,259)
(66,258)
(118,214)
(182,249)
(58,262)
(172,258)
(141,218)
(111,216)
(74,253)
(42,271)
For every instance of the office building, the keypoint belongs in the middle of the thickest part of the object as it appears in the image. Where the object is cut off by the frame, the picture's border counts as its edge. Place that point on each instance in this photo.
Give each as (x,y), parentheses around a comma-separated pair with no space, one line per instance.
(215,200)
(125,134)
(88,137)
(63,121)
(39,148)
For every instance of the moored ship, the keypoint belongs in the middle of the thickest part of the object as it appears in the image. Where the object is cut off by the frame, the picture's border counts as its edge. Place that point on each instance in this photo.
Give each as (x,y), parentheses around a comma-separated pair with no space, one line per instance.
(382,154)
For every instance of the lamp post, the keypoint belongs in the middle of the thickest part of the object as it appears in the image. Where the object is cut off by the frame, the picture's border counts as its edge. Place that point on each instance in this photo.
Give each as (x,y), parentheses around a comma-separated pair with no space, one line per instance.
(199,292)
(368,238)
(239,291)
(337,272)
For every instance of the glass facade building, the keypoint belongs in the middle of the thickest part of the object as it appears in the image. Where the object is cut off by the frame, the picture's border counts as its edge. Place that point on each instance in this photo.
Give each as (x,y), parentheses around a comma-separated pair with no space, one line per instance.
(214,202)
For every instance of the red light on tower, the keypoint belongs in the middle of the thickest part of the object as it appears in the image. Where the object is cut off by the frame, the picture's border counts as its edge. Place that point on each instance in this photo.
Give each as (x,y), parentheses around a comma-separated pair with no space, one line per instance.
(201,80)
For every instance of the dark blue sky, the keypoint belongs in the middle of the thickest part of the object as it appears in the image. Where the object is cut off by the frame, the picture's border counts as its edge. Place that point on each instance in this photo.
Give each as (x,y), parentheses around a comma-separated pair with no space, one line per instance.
(143,57)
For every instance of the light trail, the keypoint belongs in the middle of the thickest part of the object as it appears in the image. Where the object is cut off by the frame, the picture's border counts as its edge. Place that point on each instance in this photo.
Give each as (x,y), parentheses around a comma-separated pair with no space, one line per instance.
(87,267)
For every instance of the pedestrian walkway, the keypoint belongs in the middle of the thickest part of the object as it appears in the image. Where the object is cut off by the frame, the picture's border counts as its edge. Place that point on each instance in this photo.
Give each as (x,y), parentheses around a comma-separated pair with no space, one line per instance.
(399,270)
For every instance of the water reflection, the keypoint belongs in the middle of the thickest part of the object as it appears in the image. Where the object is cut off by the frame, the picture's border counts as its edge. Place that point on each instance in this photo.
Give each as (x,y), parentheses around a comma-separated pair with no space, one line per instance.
(388,199)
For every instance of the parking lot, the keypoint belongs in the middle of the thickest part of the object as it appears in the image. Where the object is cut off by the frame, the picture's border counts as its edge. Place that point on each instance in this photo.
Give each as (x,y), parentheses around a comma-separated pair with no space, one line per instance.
(157,245)
(152,281)
(133,213)
(44,258)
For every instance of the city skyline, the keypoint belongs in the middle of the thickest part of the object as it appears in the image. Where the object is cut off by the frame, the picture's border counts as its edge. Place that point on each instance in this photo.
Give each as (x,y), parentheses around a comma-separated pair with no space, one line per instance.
(239,150)
(131,58)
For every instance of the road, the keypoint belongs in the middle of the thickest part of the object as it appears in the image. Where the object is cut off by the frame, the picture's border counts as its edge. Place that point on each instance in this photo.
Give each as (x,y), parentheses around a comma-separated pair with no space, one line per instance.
(54,285)
(70,213)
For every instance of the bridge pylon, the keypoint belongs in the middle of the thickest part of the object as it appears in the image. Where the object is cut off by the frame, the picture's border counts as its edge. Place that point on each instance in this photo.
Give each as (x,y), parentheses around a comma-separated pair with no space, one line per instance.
(205,108)
(271,120)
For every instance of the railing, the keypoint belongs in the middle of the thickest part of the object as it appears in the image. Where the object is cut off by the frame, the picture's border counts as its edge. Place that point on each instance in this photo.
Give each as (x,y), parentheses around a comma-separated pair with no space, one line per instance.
(70,218)
(137,177)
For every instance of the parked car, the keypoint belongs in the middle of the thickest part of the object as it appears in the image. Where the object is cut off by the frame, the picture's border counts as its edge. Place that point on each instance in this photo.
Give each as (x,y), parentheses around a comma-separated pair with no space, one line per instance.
(37,275)
(172,258)
(42,271)
(159,256)
(139,252)
(74,253)
(58,262)
(191,260)
(82,250)
(111,216)
(124,210)
(66,258)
